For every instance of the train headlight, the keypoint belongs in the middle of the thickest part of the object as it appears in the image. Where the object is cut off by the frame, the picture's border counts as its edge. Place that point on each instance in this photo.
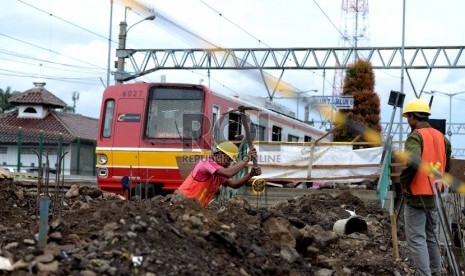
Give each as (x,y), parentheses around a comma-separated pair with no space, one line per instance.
(103,159)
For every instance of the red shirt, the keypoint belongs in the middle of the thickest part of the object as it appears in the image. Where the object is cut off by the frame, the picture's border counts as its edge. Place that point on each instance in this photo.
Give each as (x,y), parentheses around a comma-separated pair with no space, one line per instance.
(202,183)
(205,169)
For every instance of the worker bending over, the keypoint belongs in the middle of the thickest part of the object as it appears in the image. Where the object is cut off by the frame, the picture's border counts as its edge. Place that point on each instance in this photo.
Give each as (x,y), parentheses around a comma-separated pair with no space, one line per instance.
(209,173)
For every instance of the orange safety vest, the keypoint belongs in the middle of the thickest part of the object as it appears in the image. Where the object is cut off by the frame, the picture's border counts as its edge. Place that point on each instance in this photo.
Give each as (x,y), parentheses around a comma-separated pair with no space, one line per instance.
(203,191)
(433,151)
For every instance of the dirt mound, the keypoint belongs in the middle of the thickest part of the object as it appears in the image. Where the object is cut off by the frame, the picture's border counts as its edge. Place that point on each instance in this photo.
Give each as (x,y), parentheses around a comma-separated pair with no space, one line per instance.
(94,233)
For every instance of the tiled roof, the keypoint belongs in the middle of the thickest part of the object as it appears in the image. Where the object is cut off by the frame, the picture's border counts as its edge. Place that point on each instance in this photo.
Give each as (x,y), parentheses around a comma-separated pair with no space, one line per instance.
(38,96)
(78,125)
(12,134)
(53,126)
(69,125)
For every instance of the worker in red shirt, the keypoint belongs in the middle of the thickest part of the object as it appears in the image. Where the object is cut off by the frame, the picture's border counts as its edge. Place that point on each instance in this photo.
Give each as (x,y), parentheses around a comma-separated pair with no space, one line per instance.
(209,173)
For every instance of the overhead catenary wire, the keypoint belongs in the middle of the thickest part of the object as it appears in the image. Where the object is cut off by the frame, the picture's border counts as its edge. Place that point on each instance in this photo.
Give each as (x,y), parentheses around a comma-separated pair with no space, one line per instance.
(235,24)
(66,21)
(87,69)
(49,50)
(259,40)
(91,66)
(137,6)
(69,80)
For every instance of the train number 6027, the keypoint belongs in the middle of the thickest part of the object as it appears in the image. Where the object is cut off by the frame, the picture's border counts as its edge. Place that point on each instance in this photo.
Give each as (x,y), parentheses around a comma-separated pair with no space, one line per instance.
(131,93)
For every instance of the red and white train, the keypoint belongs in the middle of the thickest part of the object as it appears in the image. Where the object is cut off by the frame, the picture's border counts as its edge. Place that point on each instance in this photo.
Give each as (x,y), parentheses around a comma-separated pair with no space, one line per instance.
(145,129)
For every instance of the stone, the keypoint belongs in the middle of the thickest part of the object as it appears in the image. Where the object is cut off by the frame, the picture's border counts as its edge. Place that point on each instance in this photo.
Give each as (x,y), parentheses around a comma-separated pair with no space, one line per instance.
(196,222)
(324,272)
(279,232)
(20,264)
(289,254)
(57,236)
(48,267)
(131,234)
(327,262)
(87,273)
(73,191)
(29,241)
(11,245)
(45,258)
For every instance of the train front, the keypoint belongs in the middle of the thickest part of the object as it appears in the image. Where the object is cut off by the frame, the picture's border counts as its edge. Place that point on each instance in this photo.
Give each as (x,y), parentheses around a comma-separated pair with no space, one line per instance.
(151,136)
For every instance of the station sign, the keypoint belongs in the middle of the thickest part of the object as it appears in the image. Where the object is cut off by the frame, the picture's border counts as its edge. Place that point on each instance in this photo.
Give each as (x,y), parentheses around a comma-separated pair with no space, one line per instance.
(343,102)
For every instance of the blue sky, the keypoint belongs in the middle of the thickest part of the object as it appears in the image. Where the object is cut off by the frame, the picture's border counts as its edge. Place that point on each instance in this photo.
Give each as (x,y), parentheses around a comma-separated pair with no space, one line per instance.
(66,43)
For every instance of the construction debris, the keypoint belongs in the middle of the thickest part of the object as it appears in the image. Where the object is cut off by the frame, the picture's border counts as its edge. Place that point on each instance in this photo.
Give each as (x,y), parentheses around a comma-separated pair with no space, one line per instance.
(5,175)
(103,234)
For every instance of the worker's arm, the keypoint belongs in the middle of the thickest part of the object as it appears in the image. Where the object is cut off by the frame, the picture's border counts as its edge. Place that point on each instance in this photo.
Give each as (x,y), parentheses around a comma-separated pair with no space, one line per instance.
(413,148)
(234,169)
(243,180)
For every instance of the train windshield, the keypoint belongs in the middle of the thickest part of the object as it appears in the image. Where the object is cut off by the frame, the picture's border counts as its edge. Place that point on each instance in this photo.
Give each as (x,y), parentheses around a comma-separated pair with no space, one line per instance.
(175,113)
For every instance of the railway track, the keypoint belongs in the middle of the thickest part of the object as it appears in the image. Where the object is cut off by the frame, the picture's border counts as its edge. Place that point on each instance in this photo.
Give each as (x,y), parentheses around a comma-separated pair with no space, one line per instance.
(32,182)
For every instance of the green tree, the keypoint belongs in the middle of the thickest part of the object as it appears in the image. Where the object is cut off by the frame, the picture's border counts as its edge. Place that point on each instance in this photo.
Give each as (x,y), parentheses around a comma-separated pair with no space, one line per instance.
(5,95)
(68,109)
(359,83)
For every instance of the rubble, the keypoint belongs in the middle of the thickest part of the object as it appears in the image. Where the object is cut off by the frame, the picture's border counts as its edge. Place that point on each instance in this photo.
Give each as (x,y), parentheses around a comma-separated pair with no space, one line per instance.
(5,175)
(103,234)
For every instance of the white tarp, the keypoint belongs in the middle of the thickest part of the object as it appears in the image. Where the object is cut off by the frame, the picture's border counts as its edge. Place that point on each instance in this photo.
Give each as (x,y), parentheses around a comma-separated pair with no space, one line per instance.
(292,162)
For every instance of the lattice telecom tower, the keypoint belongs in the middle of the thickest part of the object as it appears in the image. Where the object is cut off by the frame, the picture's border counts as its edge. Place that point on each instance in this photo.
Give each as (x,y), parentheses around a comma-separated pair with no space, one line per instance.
(354,33)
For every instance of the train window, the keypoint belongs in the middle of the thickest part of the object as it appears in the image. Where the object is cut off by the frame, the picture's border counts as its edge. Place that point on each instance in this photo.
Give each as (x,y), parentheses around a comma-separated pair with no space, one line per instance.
(292,138)
(175,113)
(257,132)
(108,118)
(276,134)
(307,138)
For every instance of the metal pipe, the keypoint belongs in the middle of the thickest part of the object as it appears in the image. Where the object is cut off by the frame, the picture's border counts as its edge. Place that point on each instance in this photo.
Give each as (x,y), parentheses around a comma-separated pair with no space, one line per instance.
(402,74)
(109,43)
(43,220)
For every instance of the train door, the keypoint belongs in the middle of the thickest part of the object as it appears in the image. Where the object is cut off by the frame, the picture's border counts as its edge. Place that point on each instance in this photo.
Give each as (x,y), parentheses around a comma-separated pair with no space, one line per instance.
(126,142)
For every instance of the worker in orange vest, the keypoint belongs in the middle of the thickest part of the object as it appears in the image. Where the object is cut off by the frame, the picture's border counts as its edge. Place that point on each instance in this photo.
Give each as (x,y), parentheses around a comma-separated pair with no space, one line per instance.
(209,173)
(420,214)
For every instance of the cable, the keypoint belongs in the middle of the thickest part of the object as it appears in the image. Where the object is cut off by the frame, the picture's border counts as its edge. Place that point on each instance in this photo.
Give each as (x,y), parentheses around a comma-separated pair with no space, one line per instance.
(239,27)
(49,50)
(70,80)
(51,67)
(259,40)
(45,61)
(330,21)
(66,21)
(136,5)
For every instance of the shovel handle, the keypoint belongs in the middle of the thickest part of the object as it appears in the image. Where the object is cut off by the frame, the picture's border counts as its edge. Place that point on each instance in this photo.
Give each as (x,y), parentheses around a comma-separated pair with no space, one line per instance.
(247,135)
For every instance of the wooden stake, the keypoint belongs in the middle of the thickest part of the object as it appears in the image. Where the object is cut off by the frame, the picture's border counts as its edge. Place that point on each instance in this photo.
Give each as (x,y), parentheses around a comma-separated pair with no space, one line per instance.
(395,244)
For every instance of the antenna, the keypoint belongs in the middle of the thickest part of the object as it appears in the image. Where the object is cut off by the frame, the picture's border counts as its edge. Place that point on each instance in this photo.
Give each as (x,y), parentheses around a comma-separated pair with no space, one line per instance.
(75,99)
(354,33)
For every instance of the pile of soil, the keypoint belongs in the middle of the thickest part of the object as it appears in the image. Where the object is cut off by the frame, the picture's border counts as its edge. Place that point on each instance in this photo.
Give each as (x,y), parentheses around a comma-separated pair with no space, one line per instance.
(95,233)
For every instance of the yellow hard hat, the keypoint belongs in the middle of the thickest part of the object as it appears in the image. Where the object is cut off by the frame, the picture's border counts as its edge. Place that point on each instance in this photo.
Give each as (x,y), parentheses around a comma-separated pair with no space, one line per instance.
(416,105)
(229,148)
